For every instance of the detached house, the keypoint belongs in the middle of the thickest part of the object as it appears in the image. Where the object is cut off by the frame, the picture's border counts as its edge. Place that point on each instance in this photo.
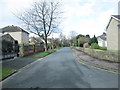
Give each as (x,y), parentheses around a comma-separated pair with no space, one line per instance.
(102,40)
(36,40)
(113,33)
(17,33)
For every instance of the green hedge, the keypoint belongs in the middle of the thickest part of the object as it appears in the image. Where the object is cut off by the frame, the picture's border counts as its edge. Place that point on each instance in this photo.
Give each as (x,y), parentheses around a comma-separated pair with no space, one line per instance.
(103,48)
(96,46)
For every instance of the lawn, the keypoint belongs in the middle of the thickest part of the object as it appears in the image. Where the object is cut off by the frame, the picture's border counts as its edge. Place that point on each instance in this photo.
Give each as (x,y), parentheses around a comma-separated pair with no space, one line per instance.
(5,72)
(43,54)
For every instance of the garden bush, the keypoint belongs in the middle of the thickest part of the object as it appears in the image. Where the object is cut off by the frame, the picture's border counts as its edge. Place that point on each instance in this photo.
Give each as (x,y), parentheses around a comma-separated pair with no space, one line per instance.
(95,46)
(103,48)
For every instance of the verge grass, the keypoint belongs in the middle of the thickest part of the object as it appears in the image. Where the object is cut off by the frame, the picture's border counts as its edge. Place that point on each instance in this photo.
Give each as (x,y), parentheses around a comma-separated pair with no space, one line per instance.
(5,72)
(43,54)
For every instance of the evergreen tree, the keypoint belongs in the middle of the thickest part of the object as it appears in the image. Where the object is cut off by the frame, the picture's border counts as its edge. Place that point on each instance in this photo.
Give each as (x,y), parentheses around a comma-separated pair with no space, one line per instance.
(93,40)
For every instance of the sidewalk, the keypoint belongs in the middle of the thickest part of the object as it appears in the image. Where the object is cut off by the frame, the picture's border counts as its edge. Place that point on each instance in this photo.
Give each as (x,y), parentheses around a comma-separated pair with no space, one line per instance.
(101,64)
(19,62)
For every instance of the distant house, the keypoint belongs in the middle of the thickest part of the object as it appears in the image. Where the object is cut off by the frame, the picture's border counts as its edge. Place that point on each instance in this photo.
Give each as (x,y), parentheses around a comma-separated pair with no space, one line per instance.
(17,33)
(102,40)
(35,40)
(113,33)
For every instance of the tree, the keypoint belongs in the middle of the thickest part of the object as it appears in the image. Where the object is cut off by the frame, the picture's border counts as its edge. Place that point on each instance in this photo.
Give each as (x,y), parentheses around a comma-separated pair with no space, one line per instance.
(82,40)
(42,19)
(93,40)
(62,38)
(72,34)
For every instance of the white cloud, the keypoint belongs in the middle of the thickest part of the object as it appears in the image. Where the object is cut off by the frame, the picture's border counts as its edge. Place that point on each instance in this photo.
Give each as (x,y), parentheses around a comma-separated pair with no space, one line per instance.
(85,19)
(80,15)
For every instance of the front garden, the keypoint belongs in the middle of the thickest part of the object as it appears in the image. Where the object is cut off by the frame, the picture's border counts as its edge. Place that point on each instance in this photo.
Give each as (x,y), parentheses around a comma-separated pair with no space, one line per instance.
(90,46)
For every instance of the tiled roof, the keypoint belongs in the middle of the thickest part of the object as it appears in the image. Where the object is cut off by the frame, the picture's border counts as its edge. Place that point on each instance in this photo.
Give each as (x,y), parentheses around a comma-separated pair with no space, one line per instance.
(12,29)
(103,36)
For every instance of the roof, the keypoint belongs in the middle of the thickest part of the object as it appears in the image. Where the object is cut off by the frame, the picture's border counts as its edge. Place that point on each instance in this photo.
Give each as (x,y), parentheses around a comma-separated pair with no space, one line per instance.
(12,29)
(36,39)
(103,36)
(3,35)
(116,17)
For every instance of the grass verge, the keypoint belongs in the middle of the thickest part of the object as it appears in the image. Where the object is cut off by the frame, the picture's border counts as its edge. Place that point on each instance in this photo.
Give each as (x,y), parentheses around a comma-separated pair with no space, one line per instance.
(43,54)
(4,72)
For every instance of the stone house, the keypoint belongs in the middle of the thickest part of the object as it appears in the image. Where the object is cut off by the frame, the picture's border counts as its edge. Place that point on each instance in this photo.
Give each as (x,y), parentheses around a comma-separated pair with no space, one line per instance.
(17,33)
(113,33)
(102,40)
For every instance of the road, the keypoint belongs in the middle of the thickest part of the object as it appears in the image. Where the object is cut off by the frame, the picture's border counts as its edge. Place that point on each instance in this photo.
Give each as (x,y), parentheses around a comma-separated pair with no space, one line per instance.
(61,70)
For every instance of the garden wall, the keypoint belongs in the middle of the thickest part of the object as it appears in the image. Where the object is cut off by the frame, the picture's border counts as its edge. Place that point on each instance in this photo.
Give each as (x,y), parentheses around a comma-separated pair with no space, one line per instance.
(30,49)
(101,54)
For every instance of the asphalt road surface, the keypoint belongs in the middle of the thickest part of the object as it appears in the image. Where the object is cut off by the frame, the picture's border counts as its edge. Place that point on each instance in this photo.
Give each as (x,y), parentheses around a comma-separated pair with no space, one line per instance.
(61,70)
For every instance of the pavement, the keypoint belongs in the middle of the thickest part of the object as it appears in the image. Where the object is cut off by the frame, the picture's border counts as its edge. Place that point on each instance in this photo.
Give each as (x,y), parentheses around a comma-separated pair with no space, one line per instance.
(61,70)
(19,62)
(98,63)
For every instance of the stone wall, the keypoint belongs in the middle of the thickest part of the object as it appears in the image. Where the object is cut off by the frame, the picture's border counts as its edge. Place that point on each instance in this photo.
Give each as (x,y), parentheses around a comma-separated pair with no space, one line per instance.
(101,54)
(30,49)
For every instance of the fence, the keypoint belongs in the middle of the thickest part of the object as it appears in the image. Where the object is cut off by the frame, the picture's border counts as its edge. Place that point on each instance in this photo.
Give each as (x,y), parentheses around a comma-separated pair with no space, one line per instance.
(30,49)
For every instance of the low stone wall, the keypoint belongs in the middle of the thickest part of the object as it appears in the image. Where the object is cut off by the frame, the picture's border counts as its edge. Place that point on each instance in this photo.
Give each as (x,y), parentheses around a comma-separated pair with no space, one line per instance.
(101,54)
(31,49)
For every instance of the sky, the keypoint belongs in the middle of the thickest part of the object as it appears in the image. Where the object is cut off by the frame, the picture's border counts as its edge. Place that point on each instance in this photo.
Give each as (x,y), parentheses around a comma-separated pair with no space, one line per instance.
(82,16)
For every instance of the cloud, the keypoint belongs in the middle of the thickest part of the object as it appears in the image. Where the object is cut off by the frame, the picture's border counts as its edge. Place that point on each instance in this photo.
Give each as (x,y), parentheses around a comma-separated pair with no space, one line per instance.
(88,17)
(83,16)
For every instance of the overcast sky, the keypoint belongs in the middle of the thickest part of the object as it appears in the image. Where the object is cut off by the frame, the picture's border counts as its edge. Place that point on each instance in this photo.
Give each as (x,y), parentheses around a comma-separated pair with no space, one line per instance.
(83,16)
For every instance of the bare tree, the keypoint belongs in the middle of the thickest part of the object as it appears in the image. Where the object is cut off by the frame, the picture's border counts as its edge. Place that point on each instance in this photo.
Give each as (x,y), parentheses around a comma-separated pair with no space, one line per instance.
(62,38)
(72,34)
(42,19)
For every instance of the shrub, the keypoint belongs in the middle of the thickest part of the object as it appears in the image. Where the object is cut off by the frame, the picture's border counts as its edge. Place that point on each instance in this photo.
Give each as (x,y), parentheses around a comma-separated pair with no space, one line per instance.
(103,48)
(95,46)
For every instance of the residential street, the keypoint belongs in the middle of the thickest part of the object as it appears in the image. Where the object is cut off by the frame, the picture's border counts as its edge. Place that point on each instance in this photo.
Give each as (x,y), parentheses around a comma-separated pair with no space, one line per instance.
(61,70)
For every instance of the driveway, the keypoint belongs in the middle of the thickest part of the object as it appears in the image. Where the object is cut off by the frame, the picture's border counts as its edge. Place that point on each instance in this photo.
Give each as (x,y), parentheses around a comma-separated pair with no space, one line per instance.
(61,70)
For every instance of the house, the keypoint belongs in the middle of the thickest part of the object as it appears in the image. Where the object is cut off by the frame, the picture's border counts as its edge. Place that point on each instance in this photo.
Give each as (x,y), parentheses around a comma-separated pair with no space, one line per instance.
(113,33)
(8,47)
(35,40)
(17,33)
(102,40)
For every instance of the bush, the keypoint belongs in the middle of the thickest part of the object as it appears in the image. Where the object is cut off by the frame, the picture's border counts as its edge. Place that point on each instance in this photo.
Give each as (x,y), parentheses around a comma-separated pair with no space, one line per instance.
(103,48)
(95,46)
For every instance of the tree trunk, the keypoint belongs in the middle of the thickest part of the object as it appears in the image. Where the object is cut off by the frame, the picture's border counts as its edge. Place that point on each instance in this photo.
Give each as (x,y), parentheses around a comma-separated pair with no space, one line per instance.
(46,44)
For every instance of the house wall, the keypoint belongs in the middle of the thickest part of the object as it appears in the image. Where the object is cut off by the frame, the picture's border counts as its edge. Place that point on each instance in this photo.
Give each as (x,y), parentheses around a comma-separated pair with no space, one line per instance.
(112,35)
(102,43)
(21,37)
(119,38)
(16,36)
(25,37)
